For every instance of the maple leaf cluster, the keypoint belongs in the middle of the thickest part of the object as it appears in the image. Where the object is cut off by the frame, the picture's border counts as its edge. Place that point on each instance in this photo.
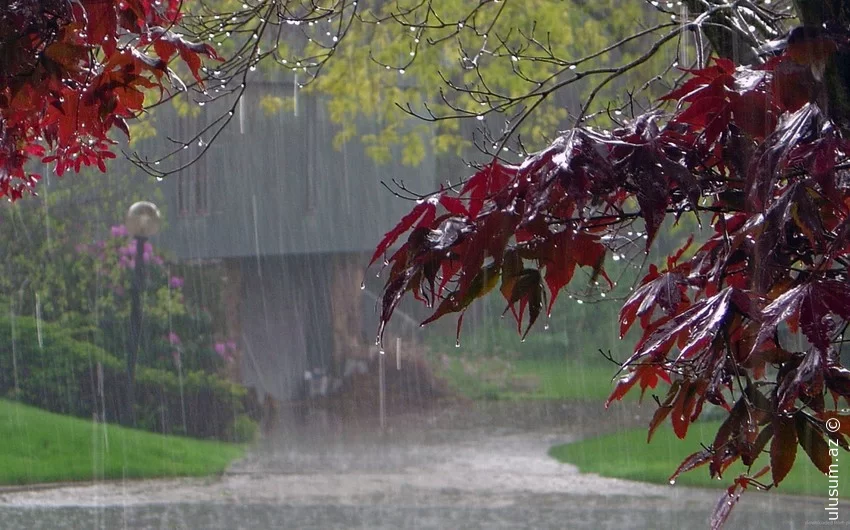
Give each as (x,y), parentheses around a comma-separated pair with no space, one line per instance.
(750,150)
(71,72)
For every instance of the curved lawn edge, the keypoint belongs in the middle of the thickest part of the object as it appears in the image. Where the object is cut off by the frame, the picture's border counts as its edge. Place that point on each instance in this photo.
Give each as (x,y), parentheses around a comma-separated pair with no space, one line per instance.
(43,447)
(627,455)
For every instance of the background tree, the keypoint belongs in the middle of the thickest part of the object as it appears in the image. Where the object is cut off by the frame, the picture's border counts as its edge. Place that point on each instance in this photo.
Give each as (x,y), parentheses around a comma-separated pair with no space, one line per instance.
(751,144)
(434,60)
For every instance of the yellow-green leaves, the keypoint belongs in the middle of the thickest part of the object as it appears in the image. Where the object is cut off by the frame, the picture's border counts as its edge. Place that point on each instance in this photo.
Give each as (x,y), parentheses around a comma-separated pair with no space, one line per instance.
(272,104)
(435,59)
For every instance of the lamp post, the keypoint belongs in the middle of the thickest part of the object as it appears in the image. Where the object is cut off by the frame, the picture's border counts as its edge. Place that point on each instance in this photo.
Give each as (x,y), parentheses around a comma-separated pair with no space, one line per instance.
(143,220)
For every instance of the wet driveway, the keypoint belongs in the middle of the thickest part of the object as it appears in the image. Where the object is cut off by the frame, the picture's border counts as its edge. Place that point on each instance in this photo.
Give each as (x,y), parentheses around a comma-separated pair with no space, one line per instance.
(468,466)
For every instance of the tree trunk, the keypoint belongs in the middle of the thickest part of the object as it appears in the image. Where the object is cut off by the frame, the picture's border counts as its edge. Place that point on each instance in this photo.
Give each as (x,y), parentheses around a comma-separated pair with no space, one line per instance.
(346,306)
(725,40)
(232,294)
(834,15)
(741,48)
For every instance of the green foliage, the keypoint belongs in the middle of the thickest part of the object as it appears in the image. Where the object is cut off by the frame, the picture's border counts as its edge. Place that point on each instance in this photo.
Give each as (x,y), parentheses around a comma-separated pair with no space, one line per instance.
(40,259)
(244,429)
(175,336)
(378,67)
(565,380)
(185,108)
(272,105)
(449,57)
(142,128)
(42,365)
(521,379)
(576,331)
(561,362)
(211,404)
(40,446)
(65,263)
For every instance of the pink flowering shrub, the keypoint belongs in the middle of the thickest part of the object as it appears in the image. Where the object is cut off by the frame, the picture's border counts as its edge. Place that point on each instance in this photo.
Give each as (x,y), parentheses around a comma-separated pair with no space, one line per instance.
(176,334)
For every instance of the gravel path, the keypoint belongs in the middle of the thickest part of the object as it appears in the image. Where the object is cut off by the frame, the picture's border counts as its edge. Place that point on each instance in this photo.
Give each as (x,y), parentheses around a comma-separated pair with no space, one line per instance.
(455,468)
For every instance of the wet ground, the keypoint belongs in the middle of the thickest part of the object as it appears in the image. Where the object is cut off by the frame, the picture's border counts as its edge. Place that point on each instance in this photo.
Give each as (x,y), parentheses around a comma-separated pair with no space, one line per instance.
(463,466)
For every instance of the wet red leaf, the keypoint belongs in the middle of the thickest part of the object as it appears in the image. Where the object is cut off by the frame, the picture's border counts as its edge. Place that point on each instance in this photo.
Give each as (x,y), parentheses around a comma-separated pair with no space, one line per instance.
(65,85)
(783,450)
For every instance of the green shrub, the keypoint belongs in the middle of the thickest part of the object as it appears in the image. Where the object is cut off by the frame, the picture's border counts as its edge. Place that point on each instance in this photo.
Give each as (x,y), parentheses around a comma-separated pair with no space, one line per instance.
(575,332)
(49,369)
(244,429)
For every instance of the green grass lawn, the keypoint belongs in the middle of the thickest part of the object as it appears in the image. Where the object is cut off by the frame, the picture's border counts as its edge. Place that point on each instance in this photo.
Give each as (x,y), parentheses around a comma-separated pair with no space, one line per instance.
(39,446)
(627,455)
(568,380)
(557,379)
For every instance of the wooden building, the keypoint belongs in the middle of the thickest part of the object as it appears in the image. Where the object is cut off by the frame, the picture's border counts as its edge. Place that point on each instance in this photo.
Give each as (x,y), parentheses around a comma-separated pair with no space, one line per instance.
(291,221)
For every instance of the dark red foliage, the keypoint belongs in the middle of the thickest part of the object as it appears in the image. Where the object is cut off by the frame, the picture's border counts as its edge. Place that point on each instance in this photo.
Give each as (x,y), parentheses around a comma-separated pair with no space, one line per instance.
(71,72)
(748,153)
